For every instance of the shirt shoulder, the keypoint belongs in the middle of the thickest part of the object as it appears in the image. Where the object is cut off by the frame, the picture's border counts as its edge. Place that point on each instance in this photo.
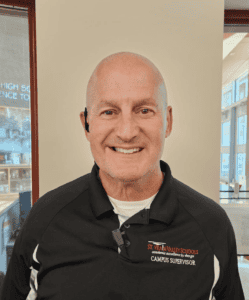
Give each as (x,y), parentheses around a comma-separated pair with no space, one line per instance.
(208,215)
(45,209)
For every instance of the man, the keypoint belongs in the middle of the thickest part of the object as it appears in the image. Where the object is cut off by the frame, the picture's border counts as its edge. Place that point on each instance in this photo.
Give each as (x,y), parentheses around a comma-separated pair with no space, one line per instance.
(128,229)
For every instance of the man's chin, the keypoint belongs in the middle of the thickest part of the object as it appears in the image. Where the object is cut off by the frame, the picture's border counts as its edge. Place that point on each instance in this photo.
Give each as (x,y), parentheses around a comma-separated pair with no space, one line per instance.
(127,178)
(123,175)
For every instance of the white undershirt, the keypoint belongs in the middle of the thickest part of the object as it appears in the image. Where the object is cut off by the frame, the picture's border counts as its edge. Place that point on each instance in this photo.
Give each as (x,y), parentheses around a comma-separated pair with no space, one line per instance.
(126,209)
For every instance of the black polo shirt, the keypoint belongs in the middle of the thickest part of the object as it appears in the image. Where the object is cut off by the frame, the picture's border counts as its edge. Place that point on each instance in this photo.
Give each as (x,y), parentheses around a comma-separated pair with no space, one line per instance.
(182,248)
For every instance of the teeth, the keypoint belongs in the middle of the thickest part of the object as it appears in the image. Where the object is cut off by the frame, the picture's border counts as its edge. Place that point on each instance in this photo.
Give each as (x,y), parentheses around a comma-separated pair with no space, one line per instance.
(127,151)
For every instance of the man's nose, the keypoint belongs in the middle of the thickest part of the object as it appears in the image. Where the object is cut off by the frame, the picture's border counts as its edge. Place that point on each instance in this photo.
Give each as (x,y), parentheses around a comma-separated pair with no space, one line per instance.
(127,126)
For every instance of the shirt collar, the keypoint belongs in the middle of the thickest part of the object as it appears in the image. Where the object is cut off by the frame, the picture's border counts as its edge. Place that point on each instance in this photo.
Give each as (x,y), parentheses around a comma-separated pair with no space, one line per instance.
(163,208)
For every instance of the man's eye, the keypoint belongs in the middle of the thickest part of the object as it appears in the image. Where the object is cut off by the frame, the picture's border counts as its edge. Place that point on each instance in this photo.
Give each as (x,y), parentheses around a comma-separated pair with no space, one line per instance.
(146,109)
(107,111)
(110,112)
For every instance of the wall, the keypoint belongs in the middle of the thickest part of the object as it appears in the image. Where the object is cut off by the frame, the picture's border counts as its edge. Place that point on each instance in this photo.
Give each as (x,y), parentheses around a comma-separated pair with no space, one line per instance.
(184,40)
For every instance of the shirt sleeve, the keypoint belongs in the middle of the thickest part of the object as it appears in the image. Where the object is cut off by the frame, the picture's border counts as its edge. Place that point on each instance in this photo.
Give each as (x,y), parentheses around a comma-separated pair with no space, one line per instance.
(16,284)
(229,286)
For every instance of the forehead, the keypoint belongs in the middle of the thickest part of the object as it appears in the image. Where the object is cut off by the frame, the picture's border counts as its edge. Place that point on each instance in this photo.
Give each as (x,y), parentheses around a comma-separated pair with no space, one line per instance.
(133,69)
(138,83)
(126,79)
(115,103)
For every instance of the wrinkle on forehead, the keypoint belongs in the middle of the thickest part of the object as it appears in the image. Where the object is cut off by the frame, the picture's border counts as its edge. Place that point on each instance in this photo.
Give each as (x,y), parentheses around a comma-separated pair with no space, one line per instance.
(128,63)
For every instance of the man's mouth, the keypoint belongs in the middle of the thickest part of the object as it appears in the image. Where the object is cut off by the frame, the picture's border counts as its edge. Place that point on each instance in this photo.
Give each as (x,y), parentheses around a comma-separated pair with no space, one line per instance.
(127,151)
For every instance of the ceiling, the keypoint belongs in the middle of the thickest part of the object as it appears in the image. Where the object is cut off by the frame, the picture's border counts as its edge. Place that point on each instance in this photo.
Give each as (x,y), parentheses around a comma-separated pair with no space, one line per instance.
(236,4)
(236,61)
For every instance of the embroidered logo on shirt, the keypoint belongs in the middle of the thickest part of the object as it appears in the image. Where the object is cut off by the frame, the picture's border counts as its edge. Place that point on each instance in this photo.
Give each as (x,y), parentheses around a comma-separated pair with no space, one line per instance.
(180,255)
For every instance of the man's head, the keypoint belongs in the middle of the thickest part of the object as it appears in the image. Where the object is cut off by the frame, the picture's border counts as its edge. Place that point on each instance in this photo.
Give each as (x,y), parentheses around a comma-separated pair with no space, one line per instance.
(127,108)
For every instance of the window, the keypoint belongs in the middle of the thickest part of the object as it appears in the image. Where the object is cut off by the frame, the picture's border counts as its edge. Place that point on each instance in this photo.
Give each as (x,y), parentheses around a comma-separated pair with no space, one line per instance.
(18,114)
(234,149)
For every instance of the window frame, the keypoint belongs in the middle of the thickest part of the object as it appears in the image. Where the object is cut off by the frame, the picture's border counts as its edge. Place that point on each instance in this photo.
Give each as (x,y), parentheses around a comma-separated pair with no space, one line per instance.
(30,5)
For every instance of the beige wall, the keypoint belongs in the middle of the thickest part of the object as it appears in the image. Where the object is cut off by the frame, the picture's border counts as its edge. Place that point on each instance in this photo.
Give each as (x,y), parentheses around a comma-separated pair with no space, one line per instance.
(183,38)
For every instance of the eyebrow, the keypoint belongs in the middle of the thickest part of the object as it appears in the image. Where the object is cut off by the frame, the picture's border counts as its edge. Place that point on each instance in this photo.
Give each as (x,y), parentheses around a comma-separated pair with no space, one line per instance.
(115,105)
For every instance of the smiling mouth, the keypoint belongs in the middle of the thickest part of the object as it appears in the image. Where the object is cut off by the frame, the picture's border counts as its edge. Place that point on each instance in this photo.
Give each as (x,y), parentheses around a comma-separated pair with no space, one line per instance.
(127,149)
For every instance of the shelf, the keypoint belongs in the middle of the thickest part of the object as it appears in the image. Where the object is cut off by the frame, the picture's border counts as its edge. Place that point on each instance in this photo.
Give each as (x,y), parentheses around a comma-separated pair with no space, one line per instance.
(15,166)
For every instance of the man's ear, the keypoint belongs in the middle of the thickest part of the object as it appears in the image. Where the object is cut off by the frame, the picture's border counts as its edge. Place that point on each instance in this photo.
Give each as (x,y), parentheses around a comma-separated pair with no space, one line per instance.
(82,119)
(169,121)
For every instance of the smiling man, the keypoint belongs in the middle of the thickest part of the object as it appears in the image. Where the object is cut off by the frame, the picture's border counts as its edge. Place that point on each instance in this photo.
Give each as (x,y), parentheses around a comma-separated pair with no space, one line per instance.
(126,99)
(129,229)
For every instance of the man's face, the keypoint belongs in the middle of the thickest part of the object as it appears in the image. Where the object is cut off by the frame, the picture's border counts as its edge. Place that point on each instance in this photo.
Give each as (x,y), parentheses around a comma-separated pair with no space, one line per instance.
(119,119)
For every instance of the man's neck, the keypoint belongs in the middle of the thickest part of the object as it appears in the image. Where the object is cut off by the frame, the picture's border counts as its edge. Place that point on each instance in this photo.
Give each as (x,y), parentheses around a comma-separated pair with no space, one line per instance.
(142,189)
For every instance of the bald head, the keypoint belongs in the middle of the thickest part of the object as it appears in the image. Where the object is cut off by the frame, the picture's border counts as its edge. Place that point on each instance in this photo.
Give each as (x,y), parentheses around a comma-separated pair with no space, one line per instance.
(129,64)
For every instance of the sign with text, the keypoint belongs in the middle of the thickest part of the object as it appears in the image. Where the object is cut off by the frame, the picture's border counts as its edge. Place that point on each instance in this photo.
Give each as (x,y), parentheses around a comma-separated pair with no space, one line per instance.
(14,95)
